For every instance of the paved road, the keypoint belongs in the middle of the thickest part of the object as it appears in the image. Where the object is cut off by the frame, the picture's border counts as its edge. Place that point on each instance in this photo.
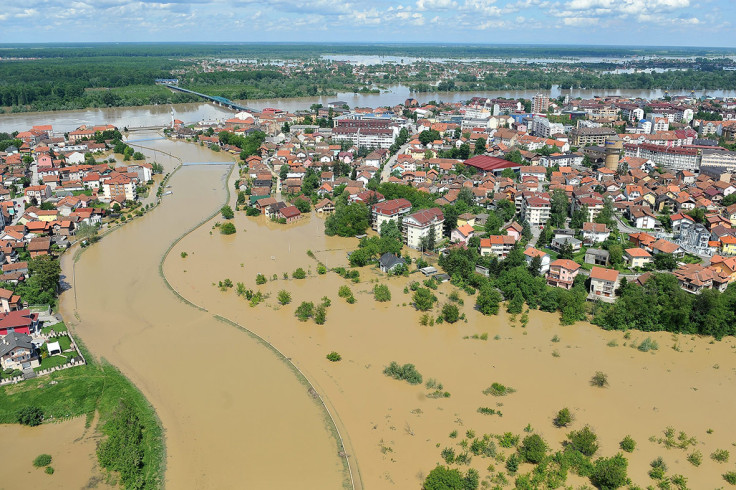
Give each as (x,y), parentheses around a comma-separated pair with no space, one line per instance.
(386,172)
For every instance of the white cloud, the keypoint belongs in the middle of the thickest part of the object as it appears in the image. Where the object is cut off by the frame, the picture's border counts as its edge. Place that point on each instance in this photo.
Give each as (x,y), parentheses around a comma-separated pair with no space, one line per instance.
(435,4)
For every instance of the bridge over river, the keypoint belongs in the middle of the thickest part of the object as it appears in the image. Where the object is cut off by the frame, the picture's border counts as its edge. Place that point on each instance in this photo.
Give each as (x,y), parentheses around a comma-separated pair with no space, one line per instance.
(221,101)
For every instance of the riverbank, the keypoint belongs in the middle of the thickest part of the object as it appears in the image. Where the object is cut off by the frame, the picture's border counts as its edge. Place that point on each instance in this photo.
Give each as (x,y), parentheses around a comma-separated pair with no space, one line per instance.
(398,430)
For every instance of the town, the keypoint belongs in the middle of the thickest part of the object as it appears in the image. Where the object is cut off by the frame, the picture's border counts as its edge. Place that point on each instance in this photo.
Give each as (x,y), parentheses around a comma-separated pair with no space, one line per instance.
(597,192)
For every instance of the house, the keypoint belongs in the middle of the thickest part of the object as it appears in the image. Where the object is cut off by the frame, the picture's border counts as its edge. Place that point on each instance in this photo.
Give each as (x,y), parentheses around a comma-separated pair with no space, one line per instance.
(642,218)
(263,204)
(39,246)
(389,262)
(8,301)
(466,219)
(532,252)
(728,244)
(515,230)
(38,192)
(272,211)
(595,233)
(498,245)
(603,284)
(560,241)
(289,213)
(17,352)
(462,234)
(724,265)
(391,210)
(694,278)
(18,321)
(664,246)
(637,257)
(562,273)
(325,206)
(596,256)
(423,227)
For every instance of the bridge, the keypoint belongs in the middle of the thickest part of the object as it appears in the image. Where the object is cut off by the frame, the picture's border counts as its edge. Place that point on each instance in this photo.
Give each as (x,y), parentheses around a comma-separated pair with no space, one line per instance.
(221,101)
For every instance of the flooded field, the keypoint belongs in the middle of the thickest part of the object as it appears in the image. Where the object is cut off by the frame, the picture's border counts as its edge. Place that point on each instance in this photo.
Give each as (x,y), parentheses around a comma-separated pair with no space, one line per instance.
(233,412)
(396,431)
(72,449)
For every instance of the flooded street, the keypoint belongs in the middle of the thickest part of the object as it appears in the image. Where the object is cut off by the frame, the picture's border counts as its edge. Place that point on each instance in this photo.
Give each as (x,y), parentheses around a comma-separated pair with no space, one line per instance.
(72,449)
(396,431)
(233,412)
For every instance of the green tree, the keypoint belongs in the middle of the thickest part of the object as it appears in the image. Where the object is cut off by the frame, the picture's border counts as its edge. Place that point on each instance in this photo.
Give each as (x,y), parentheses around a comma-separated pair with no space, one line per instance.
(480,146)
(227,212)
(610,473)
(32,416)
(283,171)
(423,299)
(381,293)
(450,313)
(584,441)
(284,297)
(563,418)
(533,449)
(348,220)
(488,300)
(444,478)
(559,207)
(227,228)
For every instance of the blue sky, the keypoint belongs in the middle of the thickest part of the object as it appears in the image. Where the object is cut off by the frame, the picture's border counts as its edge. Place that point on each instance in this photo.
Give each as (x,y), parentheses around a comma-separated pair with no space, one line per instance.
(618,22)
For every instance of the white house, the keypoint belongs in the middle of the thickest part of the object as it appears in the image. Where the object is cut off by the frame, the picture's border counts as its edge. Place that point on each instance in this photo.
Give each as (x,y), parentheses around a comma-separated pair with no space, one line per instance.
(418,226)
(532,252)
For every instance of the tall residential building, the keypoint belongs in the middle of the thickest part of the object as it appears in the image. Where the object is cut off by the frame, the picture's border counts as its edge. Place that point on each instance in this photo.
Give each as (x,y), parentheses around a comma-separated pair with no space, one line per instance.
(540,103)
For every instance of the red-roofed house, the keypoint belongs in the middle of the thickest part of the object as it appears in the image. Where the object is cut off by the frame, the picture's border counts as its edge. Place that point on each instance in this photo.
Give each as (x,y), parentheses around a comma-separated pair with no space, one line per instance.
(562,273)
(603,284)
(418,226)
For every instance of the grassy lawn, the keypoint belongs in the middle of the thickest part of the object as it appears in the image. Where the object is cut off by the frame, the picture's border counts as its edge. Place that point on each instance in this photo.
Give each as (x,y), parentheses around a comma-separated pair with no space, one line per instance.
(64,342)
(52,361)
(59,327)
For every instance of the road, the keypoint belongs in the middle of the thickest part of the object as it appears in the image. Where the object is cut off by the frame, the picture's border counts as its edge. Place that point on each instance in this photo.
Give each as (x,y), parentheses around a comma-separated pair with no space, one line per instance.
(386,172)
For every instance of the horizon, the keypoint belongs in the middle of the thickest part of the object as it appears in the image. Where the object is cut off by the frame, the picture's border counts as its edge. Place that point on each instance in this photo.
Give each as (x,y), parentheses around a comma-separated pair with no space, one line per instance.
(704,23)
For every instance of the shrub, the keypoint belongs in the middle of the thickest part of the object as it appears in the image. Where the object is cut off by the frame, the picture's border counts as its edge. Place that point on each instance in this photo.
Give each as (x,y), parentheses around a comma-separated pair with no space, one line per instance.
(299,273)
(334,356)
(321,269)
(533,449)
(284,297)
(584,441)
(628,444)
(599,379)
(381,293)
(252,211)
(406,372)
(32,416)
(730,477)
(228,229)
(720,456)
(659,468)
(497,389)
(610,473)
(563,418)
(508,440)
(450,313)
(648,344)
(344,292)
(326,302)
(49,470)
(42,460)
(695,458)
(512,464)
(444,478)
(227,212)
(320,315)
(261,279)
(184,255)
(448,454)
(305,311)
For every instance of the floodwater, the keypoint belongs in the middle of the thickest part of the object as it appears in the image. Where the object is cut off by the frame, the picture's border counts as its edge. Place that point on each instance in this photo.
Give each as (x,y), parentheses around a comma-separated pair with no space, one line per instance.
(72,448)
(131,117)
(396,431)
(234,414)
(148,116)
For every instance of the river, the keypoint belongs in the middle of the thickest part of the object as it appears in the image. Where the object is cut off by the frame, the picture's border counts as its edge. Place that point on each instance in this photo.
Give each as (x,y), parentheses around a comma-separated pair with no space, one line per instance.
(234,413)
(193,112)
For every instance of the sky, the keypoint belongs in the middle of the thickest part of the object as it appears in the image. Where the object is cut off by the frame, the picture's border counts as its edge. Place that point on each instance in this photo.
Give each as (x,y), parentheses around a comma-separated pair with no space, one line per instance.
(589,22)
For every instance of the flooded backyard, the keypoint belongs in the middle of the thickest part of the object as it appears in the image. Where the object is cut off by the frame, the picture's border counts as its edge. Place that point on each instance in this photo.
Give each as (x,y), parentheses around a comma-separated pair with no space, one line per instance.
(232,411)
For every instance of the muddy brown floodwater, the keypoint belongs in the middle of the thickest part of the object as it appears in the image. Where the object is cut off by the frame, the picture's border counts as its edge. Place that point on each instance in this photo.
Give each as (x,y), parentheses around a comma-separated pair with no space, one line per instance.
(234,414)
(72,449)
(395,430)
